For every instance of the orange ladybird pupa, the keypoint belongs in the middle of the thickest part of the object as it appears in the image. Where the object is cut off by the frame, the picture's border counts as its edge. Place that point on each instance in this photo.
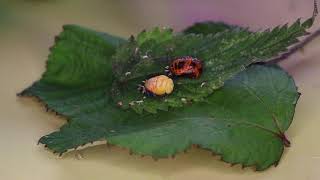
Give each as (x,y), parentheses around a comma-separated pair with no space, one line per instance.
(159,85)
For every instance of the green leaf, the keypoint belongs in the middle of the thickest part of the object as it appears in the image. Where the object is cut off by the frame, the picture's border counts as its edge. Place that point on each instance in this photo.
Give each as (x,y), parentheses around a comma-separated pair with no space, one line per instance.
(244,121)
(224,54)
(80,56)
(210,27)
(79,62)
(134,55)
(158,35)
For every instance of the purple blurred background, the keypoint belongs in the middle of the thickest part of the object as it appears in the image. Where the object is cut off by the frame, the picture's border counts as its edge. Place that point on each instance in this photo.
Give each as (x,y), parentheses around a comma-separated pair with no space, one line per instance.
(124,17)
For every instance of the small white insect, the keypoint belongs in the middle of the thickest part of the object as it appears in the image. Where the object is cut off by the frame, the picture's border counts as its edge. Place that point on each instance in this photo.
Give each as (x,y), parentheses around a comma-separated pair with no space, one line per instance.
(139,102)
(127,73)
(136,50)
(202,84)
(184,100)
(120,103)
(145,57)
(167,69)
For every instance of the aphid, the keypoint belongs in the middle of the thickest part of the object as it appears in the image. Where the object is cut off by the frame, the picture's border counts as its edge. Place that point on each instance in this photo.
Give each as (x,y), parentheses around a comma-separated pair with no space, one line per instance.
(139,102)
(145,57)
(184,100)
(186,66)
(131,103)
(120,103)
(127,73)
(136,51)
(158,85)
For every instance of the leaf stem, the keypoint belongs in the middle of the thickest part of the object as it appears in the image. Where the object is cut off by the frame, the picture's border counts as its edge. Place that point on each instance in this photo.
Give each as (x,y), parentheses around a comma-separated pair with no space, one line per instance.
(284,139)
(295,48)
(302,44)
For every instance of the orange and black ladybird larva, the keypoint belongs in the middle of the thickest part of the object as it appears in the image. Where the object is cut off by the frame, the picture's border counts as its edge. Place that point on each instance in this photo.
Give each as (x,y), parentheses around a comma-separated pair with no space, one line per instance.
(186,66)
(158,85)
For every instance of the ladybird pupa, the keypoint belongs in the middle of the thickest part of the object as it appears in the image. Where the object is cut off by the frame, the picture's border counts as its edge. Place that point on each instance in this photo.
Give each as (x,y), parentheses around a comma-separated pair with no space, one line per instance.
(186,66)
(159,85)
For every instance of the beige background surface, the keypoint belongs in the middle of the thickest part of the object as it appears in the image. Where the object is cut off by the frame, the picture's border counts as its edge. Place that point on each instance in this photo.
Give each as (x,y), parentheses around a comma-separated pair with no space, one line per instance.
(26,33)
